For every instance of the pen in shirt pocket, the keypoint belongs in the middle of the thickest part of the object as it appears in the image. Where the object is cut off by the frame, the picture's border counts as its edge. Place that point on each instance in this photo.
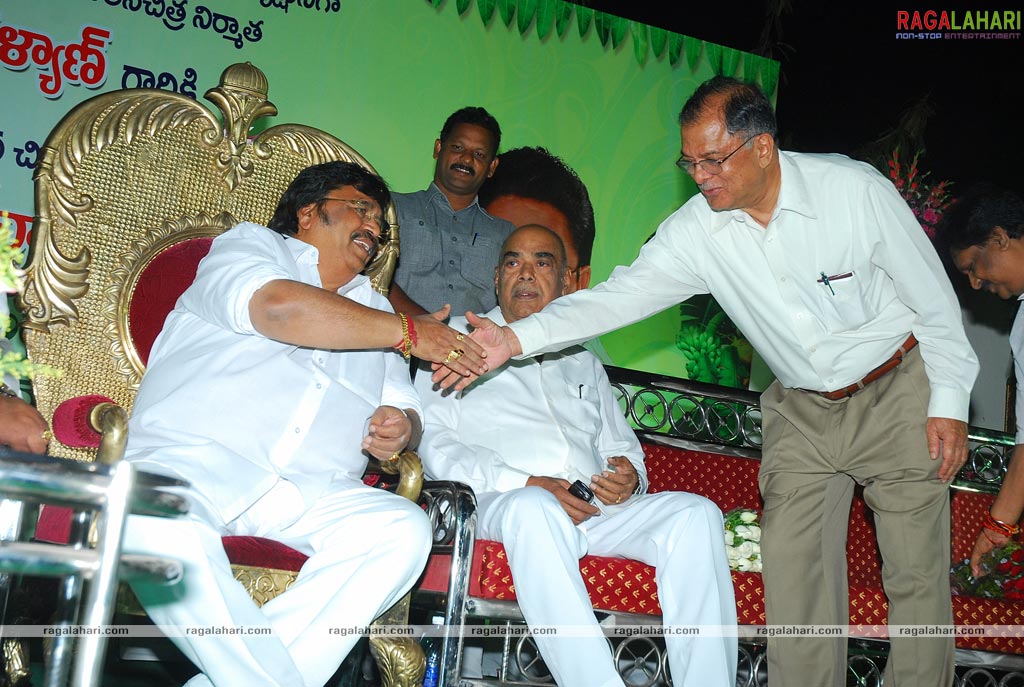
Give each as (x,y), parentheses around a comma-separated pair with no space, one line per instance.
(827,279)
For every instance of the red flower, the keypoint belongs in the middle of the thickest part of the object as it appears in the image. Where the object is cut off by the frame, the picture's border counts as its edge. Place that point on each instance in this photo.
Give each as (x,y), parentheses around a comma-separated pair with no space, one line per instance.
(926,200)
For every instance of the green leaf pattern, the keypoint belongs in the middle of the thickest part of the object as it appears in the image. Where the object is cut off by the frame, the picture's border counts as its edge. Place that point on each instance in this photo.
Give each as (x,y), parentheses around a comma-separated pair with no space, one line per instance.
(612,30)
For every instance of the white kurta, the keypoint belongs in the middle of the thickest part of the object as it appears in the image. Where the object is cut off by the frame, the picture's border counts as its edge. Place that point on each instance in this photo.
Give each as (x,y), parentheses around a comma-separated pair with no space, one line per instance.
(268,434)
(558,417)
(232,411)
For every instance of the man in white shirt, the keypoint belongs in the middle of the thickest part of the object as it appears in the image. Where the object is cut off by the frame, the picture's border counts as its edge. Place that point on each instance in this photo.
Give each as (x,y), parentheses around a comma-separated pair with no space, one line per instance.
(271,381)
(984,232)
(519,436)
(821,264)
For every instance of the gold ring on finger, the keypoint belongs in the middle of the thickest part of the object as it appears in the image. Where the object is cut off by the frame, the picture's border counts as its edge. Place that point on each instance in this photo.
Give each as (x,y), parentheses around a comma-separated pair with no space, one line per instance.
(460,337)
(47,435)
(453,354)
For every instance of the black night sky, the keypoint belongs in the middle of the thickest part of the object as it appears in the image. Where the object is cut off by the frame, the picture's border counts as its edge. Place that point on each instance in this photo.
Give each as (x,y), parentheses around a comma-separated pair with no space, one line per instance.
(846,80)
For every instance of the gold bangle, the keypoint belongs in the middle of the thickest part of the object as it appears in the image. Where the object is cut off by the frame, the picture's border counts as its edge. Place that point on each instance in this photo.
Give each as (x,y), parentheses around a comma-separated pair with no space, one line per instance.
(8,392)
(405,345)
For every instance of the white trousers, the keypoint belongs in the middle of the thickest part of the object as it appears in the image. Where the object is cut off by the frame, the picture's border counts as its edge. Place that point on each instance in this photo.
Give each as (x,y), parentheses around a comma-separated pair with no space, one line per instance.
(366,548)
(678,533)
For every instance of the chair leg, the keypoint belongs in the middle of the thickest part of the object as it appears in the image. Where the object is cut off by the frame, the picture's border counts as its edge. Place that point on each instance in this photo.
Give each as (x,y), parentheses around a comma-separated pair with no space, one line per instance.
(400,660)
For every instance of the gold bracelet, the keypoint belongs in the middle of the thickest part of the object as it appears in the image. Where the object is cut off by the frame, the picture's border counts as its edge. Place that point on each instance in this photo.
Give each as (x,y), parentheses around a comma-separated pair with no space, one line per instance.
(405,345)
(8,392)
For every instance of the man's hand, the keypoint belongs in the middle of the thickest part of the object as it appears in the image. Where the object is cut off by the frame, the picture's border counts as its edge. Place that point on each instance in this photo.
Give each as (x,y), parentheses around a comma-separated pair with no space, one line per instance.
(577,509)
(947,440)
(388,432)
(616,484)
(22,427)
(446,347)
(499,344)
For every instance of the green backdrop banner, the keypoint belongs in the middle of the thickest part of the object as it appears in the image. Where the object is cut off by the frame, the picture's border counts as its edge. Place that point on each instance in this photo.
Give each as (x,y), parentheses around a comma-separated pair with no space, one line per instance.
(601,92)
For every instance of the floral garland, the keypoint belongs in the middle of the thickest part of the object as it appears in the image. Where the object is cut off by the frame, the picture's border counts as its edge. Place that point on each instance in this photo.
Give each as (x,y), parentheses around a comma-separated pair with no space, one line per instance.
(927,200)
(743,540)
(1005,578)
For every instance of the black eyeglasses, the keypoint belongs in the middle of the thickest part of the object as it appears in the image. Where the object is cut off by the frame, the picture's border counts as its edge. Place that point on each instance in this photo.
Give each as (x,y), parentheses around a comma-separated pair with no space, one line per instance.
(362,208)
(713,167)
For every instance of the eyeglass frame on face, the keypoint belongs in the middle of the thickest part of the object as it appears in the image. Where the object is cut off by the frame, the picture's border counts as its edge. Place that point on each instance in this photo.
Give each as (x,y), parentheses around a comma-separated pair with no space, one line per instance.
(690,166)
(360,207)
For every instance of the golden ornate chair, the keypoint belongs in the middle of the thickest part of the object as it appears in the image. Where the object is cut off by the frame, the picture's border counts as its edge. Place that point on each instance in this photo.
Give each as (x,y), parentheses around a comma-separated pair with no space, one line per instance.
(130,190)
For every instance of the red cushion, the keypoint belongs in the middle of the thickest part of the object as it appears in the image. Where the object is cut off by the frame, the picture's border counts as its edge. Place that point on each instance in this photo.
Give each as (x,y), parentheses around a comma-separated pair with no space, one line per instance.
(729,481)
(54,524)
(157,290)
(263,553)
(71,421)
(623,585)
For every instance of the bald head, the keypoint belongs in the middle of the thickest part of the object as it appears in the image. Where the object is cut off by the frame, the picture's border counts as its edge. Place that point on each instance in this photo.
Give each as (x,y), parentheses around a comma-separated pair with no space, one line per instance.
(531,272)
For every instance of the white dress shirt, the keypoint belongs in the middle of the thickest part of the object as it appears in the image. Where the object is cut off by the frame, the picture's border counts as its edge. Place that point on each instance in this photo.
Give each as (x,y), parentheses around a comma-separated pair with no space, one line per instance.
(834,216)
(554,417)
(232,411)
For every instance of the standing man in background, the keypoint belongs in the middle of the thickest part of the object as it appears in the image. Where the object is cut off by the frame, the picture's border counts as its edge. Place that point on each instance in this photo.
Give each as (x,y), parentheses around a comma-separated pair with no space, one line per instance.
(449,243)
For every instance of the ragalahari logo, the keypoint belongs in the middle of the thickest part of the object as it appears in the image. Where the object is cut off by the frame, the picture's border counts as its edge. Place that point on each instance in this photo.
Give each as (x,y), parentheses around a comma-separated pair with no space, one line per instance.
(958,25)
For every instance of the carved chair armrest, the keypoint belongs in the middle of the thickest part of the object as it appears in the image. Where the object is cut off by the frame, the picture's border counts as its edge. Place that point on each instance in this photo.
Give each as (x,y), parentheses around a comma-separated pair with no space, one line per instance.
(92,422)
(409,469)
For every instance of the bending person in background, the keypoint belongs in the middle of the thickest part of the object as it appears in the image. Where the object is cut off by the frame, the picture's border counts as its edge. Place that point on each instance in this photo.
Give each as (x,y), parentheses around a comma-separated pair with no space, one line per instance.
(984,232)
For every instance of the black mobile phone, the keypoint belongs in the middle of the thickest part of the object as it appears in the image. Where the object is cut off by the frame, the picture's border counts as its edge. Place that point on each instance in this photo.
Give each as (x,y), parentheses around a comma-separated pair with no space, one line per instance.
(581,491)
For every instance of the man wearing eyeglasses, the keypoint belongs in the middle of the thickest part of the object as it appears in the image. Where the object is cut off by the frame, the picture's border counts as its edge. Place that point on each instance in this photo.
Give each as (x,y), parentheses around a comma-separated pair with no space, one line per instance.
(271,382)
(821,264)
(449,243)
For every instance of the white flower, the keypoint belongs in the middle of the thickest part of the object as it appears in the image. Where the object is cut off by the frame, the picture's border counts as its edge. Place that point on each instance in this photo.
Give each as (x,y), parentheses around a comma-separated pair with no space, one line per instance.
(742,540)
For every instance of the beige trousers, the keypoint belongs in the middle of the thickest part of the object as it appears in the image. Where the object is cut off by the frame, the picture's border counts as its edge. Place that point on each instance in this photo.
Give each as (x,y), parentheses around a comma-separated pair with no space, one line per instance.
(815,451)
